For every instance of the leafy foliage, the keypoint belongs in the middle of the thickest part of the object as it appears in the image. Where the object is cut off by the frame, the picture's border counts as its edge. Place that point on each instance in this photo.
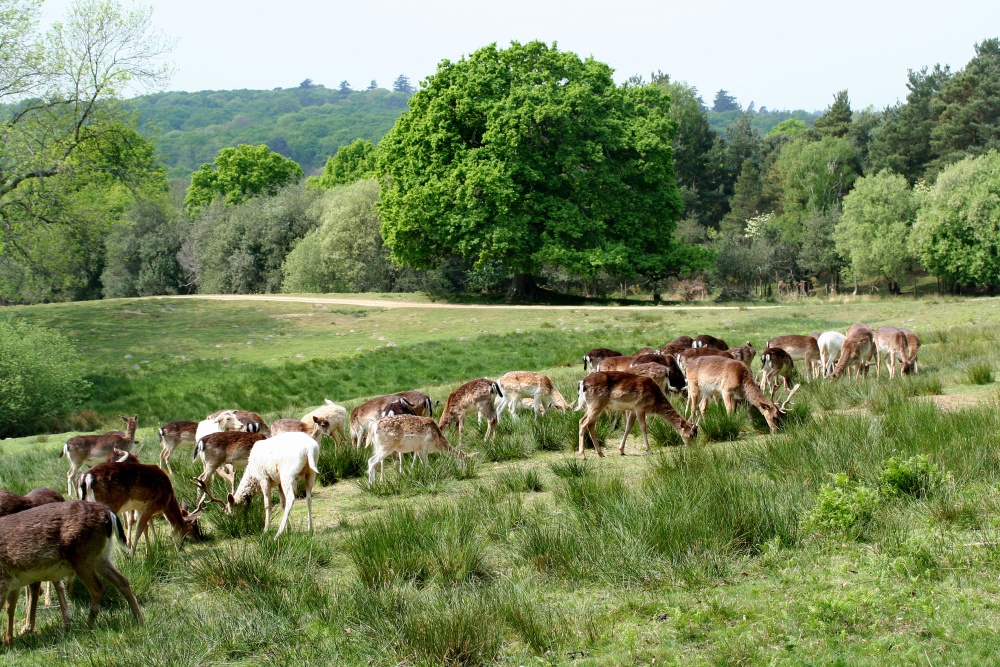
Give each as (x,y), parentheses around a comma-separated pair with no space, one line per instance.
(41,381)
(239,174)
(351,163)
(844,506)
(915,476)
(529,157)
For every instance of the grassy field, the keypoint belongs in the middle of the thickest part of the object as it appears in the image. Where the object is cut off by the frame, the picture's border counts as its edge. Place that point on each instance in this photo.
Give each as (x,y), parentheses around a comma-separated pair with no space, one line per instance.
(866,532)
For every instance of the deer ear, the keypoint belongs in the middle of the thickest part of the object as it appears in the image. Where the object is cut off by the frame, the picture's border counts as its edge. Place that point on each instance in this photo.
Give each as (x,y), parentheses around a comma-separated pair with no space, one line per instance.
(191,517)
(184,506)
(316,419)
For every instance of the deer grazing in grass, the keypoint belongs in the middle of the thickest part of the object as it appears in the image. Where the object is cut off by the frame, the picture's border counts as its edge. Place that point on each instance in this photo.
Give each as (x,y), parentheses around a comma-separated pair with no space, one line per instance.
(172,435)
(143,488)
(672,376)
(800,348)
(594,357)
(395,435)
(891,344)
(335,415)
(220,453)
(82,449)
(475,396)
(639,396)
(913,345)
(677,345)
(56,540)
(733,381)
(415,402)
(705,340)
(527,384)
(830,343)
(856,352)
(315,428)
(278,462)
(11,503)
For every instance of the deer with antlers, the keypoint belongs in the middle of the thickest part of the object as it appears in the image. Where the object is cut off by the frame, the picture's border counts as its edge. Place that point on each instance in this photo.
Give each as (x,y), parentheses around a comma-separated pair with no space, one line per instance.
(638,395)
(733,381)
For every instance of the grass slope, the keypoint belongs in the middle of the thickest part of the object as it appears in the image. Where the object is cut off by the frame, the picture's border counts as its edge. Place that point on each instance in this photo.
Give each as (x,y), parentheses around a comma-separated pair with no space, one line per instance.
(864,533)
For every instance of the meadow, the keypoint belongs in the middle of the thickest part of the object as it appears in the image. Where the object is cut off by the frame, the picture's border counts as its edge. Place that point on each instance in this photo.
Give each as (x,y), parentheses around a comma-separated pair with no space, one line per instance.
(864,533)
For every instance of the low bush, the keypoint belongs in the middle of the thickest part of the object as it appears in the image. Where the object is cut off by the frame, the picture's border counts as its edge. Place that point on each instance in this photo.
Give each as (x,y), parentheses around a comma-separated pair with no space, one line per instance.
(979,373)
(844,506)
(916,476)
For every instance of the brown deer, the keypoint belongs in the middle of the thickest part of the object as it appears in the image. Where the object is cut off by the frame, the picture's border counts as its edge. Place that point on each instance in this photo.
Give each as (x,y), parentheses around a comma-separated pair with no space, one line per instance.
(687,356)
(593,358)
(744,353)
(677,345)
(362,416)
(891,343)
(673,378)
(218,450)
(645,350)
(775,363)
(913,344)
(705,340)
(733,381)
(477,395)
(171,435)
(316,428)
(528,384)
(11,503)
(633,393)
(54,541)
(856,352)
(84,448)
(396,435)
(804,348)
(617,363)
(135,486)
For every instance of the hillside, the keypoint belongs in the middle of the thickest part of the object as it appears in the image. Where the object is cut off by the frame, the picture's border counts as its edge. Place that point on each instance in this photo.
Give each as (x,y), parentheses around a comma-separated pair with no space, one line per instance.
(305,124)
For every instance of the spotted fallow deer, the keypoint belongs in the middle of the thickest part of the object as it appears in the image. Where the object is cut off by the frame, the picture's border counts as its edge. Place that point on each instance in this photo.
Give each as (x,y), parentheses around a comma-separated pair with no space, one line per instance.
(54,541)
(395,435)
(172,435)
(856,353)
(84,448)
(673,377)
(732,380)
(890,344)
(594,357)
(226,449)
(775,363)
(638,395)
(477,395)
(800,348)
(528,384)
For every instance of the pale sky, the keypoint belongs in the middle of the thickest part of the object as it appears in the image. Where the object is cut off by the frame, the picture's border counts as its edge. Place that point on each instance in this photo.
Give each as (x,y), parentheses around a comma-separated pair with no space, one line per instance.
(777,53)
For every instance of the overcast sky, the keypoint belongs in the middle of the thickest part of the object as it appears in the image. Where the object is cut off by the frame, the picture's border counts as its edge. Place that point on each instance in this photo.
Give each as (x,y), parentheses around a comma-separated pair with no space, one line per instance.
(780,54)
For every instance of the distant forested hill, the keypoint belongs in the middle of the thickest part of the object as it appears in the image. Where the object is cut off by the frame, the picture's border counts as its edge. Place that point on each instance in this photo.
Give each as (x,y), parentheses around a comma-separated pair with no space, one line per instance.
(762,121)
(305,124)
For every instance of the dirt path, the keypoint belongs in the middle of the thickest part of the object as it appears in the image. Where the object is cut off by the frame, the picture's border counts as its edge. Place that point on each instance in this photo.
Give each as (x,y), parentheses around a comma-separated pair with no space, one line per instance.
(392,303)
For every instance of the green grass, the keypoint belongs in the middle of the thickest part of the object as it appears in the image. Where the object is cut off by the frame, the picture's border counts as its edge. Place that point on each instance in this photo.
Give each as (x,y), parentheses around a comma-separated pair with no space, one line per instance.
(864,532)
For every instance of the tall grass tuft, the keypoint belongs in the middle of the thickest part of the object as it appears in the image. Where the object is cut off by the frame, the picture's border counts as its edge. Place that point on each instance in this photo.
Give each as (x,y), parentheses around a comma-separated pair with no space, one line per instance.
(246,519)
(341,461)
(520,480)
(979,373)
(721,426)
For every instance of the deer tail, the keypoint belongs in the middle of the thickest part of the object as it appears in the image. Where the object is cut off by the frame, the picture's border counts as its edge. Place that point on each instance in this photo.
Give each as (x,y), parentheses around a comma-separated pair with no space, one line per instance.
(496,389)
(311,457)
(200,447)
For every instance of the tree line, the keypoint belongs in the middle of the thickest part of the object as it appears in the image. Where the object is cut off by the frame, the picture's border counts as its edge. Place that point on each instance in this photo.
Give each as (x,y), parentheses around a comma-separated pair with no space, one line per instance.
(511,169)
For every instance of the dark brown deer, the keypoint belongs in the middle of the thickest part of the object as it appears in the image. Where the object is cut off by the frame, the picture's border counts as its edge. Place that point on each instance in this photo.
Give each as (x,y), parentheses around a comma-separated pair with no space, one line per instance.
(84,448)
(135,486)
(775,363)
(638,395)
(677,345)
(705,340)
(593,358)
(54,541)
(856,353)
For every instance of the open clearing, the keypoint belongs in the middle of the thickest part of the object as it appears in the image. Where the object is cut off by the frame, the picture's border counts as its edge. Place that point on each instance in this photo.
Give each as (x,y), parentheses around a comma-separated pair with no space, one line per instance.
(701,555)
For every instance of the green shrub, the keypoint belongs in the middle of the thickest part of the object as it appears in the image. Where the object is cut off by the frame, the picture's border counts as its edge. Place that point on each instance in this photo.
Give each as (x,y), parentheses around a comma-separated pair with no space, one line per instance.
(844,506)
(916,476)
(40,379)
(979,373)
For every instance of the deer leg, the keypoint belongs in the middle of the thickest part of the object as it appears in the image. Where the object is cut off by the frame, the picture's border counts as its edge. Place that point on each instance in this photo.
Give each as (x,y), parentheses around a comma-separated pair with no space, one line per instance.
(727,400)
(287,489)
(89,579)
(63,603)
(142,527)
(310,478)
(34,590)
(372,462)
(107,570)
(265,488)
(642,426)
(629,418)
(73,467)
(878,364)
(11,608)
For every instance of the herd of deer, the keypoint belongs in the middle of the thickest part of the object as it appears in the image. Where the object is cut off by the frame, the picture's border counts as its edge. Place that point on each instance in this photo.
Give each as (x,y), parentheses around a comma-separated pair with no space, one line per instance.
(46,539)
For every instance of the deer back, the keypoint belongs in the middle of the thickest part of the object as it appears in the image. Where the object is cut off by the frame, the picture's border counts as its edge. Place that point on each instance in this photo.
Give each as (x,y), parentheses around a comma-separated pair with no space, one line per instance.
(705,340)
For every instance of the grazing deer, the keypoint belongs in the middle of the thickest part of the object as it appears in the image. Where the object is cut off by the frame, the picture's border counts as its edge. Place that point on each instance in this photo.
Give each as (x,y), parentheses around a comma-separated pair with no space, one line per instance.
(251,422)
(913,345)
(677,345)
(229,449)
(685,357)
(705,340)
(673,378)
(616,363)
(316,428)
(83,448)
(830,343)
(527,384)
(733,381)
(279,461)
(54,541)
(220,421)
(856,352)
(804,348)
(420,403)
(171,435)
(396,435)
(775,363)
(626,391)
(473,396)
(891,343)
(335,415)
(744,353)
(144,488)
(11,503)
(645,350)
(593,359)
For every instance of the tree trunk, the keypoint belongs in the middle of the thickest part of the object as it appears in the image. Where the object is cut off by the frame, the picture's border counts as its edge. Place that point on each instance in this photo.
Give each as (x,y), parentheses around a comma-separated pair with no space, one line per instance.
(524,287)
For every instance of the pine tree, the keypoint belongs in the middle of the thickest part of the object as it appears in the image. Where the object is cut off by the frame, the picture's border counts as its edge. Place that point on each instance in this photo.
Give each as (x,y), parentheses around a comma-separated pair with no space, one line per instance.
(725,102)
(836,120)
(402,84)
(373,85)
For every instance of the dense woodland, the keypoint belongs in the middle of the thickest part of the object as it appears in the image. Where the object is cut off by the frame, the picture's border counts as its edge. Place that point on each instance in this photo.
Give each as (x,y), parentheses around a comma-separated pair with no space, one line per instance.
(511,170)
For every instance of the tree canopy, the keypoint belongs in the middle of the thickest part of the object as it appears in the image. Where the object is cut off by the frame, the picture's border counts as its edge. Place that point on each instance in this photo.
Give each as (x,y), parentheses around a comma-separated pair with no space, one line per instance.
(238,174)
(528,156)
(351,163)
